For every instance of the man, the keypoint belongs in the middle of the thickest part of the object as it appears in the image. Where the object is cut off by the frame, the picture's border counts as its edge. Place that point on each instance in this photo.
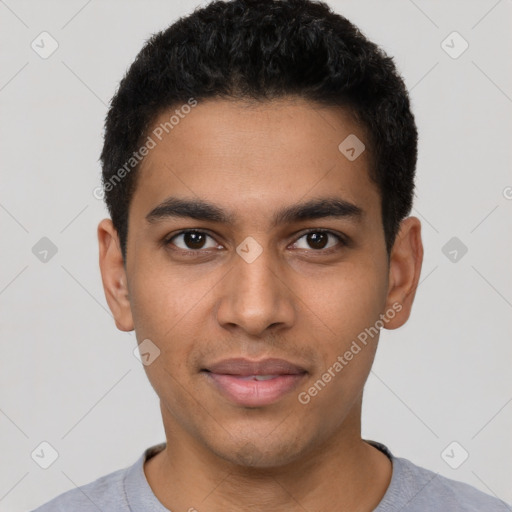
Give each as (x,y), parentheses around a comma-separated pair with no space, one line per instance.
(258,167)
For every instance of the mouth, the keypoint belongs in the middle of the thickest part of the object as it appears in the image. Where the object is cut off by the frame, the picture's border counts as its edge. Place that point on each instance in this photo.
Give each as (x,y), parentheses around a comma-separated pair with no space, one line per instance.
(254,383)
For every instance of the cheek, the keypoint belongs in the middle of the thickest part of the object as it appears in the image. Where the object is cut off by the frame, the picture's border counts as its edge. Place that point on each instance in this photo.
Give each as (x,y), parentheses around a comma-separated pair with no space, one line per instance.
(162,302)
(171,309)
(349,307)
(166,310)
(345,303)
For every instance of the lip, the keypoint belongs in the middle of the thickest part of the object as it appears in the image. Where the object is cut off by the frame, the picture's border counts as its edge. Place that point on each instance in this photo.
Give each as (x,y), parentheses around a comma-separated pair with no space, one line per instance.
(245,367)
(231,377)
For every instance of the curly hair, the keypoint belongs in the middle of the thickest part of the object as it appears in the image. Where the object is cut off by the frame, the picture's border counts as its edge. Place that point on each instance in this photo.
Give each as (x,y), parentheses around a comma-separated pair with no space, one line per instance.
(262,50)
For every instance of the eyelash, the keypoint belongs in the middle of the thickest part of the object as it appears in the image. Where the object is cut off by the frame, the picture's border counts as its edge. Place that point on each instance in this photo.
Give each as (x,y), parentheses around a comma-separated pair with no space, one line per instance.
(198,252)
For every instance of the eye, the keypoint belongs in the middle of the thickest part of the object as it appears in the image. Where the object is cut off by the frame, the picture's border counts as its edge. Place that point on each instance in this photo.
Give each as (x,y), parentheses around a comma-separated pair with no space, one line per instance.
(192,240)
(195,240)
(318,239)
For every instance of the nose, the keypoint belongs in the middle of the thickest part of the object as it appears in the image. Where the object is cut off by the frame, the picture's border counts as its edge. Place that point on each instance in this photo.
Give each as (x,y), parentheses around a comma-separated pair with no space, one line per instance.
(255,296)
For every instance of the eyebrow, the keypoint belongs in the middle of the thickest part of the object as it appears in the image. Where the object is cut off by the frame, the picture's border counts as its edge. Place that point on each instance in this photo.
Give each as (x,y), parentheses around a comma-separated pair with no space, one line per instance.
(202,210)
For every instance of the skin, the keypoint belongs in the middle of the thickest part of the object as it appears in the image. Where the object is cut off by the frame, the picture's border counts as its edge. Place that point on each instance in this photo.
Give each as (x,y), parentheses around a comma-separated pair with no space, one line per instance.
(295,301)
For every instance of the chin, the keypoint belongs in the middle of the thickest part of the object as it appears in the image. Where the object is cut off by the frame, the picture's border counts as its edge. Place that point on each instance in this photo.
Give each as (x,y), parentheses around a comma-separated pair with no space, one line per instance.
(260,453)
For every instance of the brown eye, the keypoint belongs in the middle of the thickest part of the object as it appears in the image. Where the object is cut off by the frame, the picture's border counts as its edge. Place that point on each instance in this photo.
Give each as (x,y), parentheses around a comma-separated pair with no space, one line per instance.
(319,240)
(192,240)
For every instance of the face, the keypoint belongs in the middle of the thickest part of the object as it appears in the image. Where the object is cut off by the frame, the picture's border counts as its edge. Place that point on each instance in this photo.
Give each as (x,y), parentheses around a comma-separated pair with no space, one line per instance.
(256,266)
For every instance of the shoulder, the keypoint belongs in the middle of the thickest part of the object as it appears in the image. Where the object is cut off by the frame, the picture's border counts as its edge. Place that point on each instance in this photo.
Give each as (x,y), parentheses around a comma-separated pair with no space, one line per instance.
(105,493)
(417,489)
(425,491)
(120,491)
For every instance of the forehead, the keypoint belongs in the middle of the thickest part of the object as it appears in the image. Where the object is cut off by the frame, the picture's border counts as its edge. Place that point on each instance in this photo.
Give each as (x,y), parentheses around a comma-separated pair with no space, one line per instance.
(250,156)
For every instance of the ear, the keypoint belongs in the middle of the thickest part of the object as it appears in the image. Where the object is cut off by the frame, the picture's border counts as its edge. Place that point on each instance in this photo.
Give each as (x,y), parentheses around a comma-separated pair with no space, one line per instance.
(113,275)
(404,271)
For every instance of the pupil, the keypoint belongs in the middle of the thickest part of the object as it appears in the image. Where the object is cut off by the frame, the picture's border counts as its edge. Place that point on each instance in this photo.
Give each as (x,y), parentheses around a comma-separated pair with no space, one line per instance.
(313,240)
(191,240)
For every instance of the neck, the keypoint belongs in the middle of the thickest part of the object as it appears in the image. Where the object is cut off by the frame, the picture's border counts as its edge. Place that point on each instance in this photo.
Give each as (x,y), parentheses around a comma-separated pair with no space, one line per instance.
(344,470)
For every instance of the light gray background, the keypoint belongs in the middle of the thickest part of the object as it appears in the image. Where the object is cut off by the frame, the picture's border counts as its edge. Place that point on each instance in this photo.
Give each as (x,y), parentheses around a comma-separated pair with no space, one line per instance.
(69,377)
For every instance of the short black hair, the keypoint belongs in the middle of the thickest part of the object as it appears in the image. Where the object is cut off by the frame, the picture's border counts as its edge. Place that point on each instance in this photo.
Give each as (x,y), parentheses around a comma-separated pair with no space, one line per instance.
(261,50)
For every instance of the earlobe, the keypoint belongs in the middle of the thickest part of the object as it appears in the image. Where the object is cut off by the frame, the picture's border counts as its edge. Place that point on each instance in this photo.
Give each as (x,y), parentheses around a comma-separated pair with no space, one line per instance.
(113,275)
(404,271)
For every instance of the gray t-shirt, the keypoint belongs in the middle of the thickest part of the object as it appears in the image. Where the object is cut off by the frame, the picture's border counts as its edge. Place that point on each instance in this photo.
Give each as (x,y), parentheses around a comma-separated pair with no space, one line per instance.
(412,489)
